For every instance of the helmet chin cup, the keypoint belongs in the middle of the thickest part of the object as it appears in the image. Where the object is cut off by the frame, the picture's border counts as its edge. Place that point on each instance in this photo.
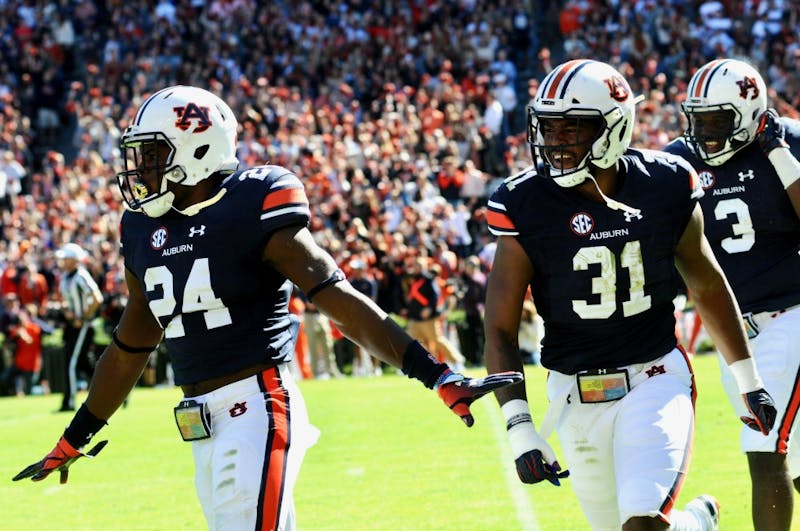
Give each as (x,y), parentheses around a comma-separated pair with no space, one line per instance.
(570,179)
(158,206)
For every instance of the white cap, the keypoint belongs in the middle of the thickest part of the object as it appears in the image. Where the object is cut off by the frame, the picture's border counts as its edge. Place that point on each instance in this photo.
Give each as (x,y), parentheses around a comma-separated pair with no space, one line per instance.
(71,250)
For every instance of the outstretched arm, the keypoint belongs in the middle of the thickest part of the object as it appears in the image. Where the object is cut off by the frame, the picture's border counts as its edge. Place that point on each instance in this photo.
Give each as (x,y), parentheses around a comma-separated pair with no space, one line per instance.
(116,373)
(293,252)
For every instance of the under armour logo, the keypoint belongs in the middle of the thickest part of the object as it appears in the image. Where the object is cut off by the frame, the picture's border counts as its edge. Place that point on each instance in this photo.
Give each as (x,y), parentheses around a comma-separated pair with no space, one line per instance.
(749,175)
(194,231)
(655,369)
(238,409)
(632,215)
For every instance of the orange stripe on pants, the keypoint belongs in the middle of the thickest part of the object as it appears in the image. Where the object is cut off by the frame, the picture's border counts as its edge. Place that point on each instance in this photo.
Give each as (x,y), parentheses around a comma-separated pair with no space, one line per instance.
(274,474)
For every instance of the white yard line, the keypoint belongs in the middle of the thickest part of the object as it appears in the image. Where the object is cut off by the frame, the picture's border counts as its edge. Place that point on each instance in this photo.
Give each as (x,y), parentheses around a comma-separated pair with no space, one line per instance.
(518,491)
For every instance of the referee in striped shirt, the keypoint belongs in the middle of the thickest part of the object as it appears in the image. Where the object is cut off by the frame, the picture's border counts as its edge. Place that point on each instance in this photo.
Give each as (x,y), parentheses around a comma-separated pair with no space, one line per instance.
(82,299)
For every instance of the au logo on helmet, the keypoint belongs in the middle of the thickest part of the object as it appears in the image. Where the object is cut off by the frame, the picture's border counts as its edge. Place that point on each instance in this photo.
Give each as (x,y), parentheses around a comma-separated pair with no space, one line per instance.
(746,85)
(617,88)
(190,112)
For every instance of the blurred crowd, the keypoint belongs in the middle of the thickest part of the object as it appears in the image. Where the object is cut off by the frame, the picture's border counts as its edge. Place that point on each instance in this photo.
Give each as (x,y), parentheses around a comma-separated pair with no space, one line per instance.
(400,116)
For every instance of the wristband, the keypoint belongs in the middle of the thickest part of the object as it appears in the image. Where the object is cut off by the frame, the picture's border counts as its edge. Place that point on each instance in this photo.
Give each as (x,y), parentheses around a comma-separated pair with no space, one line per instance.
(746,376)
(521,430)
(418,363)
(786,166)
(83,427)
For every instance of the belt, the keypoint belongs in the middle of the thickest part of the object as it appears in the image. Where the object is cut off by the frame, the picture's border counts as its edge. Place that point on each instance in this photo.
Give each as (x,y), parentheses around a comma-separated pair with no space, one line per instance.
(755,322)
(212,384)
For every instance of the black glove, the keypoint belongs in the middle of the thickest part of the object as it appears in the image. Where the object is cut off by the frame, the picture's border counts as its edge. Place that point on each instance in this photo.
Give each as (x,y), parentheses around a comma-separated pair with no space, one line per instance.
(770,131)
(60,458)
(532,468)
(458,391)
(762,409)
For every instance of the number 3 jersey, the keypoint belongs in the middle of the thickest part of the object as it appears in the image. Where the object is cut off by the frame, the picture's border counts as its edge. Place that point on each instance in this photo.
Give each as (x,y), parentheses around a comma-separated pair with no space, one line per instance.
(221,306)
(604,279)
(751,225)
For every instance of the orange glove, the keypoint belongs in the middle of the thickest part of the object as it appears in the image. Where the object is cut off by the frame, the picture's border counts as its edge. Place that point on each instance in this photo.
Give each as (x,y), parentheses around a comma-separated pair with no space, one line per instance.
(60,458)
(459,392)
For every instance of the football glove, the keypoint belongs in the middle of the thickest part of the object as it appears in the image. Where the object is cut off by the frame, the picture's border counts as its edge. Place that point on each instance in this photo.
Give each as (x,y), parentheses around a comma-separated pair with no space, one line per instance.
(459,392)
(60,458)
(533,457)
(762,409)
(770,132)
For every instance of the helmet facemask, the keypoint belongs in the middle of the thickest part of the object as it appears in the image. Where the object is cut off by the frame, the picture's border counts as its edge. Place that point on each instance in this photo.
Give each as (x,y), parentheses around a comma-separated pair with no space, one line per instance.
(582,132)
(148,170)
(714,133)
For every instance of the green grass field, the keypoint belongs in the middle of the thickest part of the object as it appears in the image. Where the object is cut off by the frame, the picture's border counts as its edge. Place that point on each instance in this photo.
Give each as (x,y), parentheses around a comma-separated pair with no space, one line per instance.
(390,457)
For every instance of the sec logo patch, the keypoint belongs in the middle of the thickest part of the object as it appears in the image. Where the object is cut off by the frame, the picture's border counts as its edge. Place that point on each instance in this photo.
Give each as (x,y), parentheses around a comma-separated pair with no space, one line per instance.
(581,224)
(706,179)
(158,239)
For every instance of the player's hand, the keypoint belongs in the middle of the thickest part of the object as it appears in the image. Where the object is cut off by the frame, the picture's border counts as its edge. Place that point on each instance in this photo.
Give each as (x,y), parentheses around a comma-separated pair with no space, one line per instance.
(762,411)
(770,132)
(539,462)
(60,458)
(459,392)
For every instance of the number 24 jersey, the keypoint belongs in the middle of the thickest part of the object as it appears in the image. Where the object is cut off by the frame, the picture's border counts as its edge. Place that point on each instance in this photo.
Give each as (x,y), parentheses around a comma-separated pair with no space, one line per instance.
(221,306)
(604,279)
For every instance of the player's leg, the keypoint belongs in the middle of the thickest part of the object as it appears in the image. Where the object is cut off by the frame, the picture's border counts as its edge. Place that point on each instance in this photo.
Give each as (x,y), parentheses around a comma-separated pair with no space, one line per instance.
(777,353)
(261,434)
(653,436)
(584,431)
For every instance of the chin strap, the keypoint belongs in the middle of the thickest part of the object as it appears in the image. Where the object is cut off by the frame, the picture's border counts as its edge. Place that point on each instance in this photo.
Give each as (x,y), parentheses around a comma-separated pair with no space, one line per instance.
(613,204)
(191,210)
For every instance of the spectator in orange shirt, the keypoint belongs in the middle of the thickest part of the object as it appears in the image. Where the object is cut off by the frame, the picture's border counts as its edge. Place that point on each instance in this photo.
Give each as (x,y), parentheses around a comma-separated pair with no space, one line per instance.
(32,287)
(450,180)
(27,335)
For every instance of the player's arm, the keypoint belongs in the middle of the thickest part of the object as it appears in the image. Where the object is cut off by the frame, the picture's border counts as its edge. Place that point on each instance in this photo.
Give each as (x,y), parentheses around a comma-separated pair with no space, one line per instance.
(719,310)
(770,136)
(116,373)
(122,362)
(293,252)
(508,282)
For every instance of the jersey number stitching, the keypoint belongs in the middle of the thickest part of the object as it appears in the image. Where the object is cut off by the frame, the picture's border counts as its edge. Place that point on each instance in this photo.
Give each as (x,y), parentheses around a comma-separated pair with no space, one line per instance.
(198,296)
(605,285)
(744,237)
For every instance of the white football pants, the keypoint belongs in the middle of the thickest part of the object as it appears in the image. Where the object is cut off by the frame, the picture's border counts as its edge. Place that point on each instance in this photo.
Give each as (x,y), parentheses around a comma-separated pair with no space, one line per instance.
(628,457)
(246,472)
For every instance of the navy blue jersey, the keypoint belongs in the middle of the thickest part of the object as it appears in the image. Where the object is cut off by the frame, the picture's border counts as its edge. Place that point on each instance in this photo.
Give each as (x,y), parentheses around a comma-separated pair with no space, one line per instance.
(222,308)
(751,225)
(603,279)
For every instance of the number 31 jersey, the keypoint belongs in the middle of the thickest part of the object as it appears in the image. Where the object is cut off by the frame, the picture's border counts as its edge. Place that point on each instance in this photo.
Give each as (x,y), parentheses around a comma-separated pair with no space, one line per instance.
(604,279)
(222,308)
(751,225)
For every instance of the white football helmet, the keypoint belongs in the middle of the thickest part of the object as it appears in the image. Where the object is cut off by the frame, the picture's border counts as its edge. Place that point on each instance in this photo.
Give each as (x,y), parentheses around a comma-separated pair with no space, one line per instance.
(584,88)
(199,130)
(725,85)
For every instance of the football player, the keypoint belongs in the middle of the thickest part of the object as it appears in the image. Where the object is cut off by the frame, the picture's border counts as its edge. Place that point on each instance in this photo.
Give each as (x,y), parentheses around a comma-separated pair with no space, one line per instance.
(600,233)
(211,253)
(747,160)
